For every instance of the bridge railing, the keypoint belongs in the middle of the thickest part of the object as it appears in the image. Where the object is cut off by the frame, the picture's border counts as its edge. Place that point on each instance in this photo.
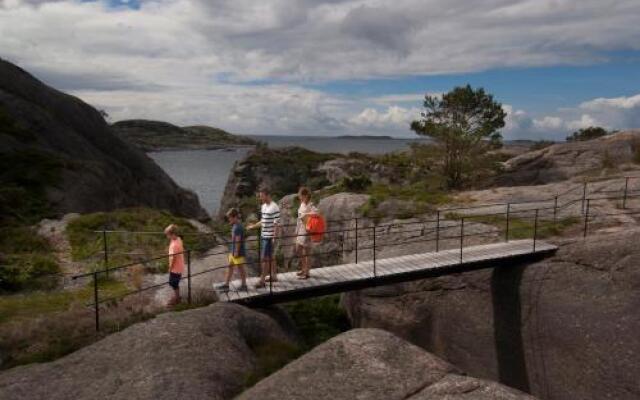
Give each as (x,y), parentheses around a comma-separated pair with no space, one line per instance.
(363,238)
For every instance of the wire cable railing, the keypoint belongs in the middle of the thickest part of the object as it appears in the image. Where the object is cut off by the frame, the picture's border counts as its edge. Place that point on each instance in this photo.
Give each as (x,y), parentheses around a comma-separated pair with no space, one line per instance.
(365,236)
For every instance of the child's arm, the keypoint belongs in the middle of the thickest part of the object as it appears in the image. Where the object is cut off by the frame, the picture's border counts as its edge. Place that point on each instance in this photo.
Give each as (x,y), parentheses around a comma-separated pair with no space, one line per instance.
(236,244)
(171,258)
(256,225)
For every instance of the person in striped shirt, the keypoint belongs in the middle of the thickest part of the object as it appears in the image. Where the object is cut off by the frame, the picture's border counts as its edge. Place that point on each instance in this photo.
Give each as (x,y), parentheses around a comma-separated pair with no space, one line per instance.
(269,225)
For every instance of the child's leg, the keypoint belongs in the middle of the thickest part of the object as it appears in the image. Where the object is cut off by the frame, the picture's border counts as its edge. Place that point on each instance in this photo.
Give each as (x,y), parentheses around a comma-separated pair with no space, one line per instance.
(229,273)
(305,258)
(243,274)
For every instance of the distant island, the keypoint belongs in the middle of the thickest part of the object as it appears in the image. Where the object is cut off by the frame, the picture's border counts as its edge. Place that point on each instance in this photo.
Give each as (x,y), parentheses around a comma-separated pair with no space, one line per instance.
(157,136)
(365,137)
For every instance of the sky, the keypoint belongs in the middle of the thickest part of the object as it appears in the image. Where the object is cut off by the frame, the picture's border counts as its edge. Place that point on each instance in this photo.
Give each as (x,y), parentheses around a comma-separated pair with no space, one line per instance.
(334,67)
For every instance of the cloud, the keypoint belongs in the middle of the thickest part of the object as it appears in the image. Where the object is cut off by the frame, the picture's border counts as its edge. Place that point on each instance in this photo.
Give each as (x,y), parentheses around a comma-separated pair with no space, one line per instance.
(617,113)
(189,61)
(393,118)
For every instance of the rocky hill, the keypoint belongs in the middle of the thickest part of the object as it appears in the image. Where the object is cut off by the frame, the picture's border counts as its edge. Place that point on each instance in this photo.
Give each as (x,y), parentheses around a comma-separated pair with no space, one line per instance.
(561,328)
(156,136)
(563,161)
(374,365)
(206,353)
(216,351)
(59,156)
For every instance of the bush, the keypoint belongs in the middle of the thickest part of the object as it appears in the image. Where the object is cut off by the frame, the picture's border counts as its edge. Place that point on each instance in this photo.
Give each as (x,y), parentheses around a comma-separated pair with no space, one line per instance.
(589,133)
(318,319)
(24,177)
(26,260)
(357,183)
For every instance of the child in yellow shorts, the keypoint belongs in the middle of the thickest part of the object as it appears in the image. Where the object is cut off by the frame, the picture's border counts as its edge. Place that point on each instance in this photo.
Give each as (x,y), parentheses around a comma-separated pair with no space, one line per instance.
(237,250)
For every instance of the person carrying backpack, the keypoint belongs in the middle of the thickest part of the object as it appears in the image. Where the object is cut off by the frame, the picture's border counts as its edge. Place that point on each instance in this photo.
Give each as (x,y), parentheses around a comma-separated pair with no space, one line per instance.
(303,237)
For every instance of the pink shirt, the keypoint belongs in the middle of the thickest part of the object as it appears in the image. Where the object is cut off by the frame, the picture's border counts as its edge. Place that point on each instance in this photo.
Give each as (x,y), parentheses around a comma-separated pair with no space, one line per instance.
(176,261)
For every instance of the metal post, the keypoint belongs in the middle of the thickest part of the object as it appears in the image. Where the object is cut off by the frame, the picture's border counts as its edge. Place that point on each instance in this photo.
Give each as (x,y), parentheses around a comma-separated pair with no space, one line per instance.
(461,237)
(106,251)
(374,251)
(95,300)
(189,276)
(535,230)
(624,196)
(356,240)
(555,209)
(586,218)
(584,196)
(438,231)
(506,234)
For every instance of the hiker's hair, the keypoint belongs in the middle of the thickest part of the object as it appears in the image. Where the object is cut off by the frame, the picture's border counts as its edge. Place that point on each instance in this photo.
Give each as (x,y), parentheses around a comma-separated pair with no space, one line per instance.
(171,229)
(304,192)
(233,213)
(264,189)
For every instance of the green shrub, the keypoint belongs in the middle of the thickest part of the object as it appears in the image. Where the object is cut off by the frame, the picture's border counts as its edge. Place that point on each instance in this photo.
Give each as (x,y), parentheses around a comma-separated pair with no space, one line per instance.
(26,260)
(357,183)
(24,178)
(318,319)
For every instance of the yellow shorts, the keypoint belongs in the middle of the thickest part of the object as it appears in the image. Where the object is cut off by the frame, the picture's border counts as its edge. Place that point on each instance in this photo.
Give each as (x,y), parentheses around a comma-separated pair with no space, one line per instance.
(236,260)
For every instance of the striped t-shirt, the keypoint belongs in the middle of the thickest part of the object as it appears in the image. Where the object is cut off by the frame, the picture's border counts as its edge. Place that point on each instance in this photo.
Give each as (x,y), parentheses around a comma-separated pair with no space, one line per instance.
(270,218)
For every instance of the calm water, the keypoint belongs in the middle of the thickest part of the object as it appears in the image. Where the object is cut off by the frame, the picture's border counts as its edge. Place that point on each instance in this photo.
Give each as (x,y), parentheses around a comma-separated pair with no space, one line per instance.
(206,171)
(203,171)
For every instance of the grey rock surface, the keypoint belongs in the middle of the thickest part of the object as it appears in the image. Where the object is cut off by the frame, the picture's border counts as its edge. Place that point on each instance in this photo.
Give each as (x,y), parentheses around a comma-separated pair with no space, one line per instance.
(373,364)
(562,328)
(563,161)
(205,353)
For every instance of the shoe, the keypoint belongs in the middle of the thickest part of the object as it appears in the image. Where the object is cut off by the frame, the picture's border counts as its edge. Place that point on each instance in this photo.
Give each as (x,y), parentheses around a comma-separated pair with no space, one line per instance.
(243,288)
(221,286)
(260,285)
(304,276)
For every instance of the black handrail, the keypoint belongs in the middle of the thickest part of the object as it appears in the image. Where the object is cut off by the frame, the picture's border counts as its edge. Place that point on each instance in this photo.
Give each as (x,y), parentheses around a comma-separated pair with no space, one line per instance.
(440,233)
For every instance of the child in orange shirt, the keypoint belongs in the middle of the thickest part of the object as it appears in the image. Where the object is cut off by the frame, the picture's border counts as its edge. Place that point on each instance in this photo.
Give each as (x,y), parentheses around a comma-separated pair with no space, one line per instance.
(176,262)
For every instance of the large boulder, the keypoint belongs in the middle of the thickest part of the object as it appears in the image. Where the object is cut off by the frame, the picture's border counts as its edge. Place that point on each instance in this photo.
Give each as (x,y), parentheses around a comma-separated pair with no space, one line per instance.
(564,328)
(564,161)
(58,153)
(197,354)
(372,364)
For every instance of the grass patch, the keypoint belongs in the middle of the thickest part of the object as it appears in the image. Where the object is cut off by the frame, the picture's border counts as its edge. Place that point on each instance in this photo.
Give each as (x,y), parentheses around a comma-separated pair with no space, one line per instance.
(420,198)
(85,242)
(521,228)
(37,304)
(26,260)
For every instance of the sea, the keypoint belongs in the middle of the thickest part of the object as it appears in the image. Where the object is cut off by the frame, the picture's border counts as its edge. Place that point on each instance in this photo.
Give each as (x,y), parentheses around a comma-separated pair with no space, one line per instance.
(205,172)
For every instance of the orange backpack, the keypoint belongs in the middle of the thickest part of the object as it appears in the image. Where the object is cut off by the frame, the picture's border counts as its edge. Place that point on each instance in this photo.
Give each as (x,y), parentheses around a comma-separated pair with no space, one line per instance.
(315,227)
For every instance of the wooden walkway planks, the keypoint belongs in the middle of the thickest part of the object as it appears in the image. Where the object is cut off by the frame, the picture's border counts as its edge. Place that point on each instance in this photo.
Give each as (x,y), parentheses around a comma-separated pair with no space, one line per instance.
(344,277)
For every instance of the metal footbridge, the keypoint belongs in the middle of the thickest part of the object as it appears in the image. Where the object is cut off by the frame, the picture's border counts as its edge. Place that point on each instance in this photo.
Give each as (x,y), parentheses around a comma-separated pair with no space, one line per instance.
(366,274)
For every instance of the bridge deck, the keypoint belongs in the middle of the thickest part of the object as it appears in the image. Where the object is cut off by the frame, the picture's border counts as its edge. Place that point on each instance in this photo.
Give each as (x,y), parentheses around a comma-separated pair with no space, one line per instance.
(345,277)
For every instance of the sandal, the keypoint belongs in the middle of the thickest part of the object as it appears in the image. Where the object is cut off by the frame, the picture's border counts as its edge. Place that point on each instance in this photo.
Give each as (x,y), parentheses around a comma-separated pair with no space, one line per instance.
(304,276)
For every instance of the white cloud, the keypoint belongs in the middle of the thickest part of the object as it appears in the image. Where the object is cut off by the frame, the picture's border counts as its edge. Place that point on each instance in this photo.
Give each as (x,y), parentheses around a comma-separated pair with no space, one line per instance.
(192,61)
(611,113)
(393,118)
